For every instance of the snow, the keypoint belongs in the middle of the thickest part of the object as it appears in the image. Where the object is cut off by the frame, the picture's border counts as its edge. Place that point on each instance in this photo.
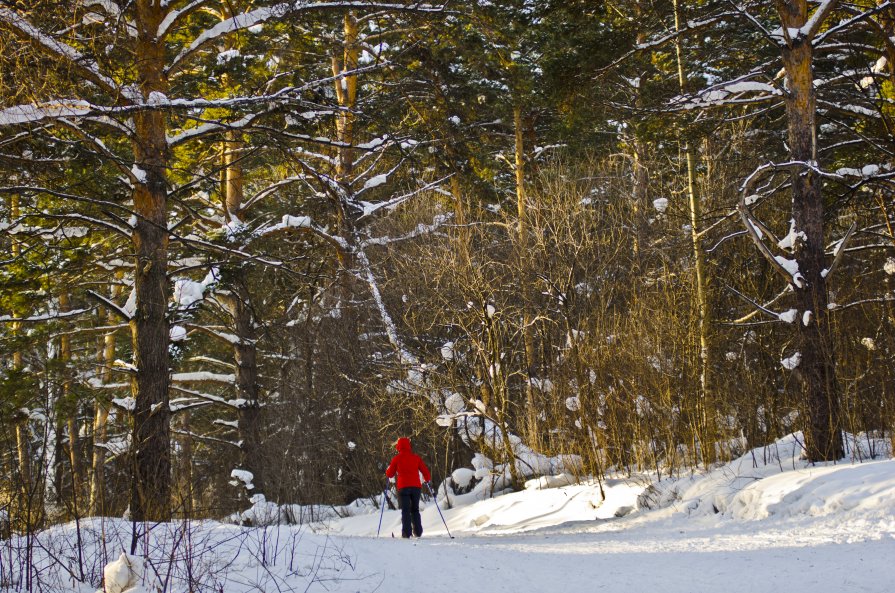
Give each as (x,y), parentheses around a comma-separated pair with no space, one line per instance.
(545,385)
(766,521)
(788,316)
(374,143)
(807,316)
(177,333)
(789,241)
(462,477)
(447,351)
(454,403)
(127,403)
(23,114)
(187,292)
(243,478)
(202,377)
(660,204)
(296,221)
(138,173)
(157,98)
(751,86)
(792,268)
(792,362)
(375,181)
(125,575)
(227,55)
(889,266)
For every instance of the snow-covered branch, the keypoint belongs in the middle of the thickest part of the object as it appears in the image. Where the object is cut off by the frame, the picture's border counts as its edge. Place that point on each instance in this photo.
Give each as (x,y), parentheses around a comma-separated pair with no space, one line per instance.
(848,23)
(810,28)
(203,377)
(46,317)
(262,15)
(420,230)
(370,209)
(21,27)
(111,305)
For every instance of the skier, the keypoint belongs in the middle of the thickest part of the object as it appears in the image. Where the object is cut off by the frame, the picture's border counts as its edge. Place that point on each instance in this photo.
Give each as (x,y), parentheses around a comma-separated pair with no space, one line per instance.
(408,466)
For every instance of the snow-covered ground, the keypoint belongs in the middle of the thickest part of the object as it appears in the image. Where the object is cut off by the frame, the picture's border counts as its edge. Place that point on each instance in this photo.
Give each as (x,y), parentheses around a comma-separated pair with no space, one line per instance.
(765,522)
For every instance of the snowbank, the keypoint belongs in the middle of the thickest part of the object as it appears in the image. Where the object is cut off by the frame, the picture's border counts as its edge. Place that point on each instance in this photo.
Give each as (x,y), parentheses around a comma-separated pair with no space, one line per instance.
(775,481)
(763,522)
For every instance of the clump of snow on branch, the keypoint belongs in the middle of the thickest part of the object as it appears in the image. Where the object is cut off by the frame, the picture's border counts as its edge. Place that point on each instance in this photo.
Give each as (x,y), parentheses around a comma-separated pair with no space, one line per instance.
(242,478)
(188,292)
(792,362)
(889,266)
(788,316)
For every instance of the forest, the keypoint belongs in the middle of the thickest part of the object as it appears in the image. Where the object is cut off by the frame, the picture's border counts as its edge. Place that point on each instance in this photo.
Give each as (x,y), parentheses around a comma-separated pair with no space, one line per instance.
(245,245)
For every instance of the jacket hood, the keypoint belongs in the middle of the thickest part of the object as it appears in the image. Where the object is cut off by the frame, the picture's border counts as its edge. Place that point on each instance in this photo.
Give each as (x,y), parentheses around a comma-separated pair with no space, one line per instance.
(403,445)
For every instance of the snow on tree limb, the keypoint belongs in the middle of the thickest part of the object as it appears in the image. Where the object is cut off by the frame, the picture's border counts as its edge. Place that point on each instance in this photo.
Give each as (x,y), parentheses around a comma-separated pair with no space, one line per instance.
(840,249)
(391,330)
(419,231)
(262,15)
(846,24)
(203,377)
(812,26)
(88,69)
(46,317)
(173,17)
(370,209)
(38,112)
(775,262)
(110,304)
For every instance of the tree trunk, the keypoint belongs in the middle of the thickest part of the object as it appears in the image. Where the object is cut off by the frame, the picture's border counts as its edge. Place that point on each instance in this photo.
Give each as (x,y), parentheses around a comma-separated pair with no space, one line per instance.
(239,306)
(705,425)
(23,445)
(817,368)
(639,148)
(106,356)
(151,479)
(74,445)
(531,408)
(346,93)
(247,384)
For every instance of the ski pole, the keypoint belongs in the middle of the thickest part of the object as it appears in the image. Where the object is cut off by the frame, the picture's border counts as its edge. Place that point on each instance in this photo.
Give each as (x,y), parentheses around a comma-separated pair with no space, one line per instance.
(382,509)
(435,498)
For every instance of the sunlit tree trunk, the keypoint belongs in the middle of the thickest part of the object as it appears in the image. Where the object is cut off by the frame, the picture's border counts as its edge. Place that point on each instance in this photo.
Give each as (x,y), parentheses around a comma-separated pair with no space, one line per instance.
(817,369)
(74,443)
(705,422)
(238,302)
(528,333)
(151,479)
(105,359)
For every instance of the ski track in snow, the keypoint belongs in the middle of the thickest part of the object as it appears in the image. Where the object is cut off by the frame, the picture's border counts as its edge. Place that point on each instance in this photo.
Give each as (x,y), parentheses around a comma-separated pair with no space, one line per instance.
(668,558)
(764,523)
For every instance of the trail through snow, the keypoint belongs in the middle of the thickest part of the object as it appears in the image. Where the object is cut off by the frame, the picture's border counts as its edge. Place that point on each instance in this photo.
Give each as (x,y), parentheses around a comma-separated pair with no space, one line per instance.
(766,522)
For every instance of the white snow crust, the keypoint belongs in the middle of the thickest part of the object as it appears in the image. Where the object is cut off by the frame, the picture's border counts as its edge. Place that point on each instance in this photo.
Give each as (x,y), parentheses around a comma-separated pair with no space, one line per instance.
(766,521)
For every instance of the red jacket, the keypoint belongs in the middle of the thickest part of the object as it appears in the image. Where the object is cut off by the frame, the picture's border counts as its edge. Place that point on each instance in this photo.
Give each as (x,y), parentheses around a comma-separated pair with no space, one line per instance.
(408,466)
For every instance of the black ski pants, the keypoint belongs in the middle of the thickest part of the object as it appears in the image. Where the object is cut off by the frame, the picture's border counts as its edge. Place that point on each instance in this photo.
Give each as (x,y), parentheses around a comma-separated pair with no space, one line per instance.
(411,522)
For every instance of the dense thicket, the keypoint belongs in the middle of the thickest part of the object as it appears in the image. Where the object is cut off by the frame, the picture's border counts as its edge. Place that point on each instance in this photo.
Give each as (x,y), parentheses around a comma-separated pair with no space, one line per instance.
(245,245)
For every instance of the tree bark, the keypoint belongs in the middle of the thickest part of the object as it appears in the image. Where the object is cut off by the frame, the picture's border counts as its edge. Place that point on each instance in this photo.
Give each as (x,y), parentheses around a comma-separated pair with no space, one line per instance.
(817,368)
(106,356)
(239,306)
(528,338)
(74,445)
(151,479)
(705,427)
